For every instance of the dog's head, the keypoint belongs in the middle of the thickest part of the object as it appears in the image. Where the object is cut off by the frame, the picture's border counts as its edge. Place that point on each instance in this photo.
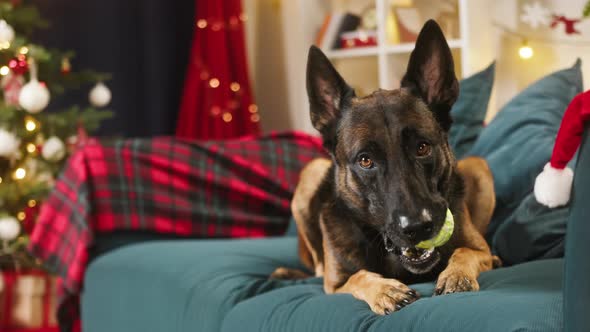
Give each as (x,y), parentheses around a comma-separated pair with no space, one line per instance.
(393,164)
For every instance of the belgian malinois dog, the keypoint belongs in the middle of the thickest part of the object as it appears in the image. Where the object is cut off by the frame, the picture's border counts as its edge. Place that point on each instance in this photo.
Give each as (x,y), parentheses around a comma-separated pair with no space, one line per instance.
(391,178)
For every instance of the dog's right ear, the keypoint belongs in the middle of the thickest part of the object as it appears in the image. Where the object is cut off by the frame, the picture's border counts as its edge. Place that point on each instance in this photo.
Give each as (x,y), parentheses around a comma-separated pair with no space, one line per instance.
(327,91)
(431,73)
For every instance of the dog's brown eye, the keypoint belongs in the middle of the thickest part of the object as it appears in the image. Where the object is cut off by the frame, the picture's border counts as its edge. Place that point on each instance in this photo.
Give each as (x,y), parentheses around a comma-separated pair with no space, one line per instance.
(423,149)
(365,162)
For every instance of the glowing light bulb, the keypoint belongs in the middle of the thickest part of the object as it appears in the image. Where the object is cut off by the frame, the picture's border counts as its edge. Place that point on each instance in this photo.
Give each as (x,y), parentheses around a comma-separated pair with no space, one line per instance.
(30,125)
(214,82)
(21,216)
(202,23)
(4,70)
(23,50)
(235,86)
(31,148)
(20,173)
(227,117)
(525,51)
(252,108)
(32,203)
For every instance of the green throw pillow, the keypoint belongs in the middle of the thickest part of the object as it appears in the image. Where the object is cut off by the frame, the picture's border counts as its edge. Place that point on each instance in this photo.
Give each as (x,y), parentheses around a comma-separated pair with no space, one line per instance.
(469,111)
(532,232)
(519,140)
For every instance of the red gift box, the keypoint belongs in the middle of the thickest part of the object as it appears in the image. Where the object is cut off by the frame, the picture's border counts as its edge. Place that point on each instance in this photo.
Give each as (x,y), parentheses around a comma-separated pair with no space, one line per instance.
(28,301)
(358,38)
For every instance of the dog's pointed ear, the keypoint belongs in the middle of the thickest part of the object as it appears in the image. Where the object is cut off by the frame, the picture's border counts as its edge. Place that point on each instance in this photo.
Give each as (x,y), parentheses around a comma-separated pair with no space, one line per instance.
(327,91)
(431,73)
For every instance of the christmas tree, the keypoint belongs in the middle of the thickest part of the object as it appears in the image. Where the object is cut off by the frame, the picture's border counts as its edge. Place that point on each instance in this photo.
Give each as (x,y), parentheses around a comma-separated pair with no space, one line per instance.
(35,143)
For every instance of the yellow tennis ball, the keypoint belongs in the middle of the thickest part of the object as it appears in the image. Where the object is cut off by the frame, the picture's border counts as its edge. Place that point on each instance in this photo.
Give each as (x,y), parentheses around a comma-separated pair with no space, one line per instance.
(443,236)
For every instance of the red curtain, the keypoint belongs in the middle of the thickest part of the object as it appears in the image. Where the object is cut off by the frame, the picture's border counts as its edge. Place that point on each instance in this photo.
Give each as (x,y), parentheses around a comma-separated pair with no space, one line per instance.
(217,100)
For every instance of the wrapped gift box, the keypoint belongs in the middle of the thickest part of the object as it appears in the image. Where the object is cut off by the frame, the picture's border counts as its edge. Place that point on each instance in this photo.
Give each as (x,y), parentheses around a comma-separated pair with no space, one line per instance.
(28,301)
(358,38)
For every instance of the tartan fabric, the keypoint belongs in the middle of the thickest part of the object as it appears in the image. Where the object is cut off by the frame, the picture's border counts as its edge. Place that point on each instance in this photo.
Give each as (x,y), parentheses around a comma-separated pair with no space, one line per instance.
(232,188)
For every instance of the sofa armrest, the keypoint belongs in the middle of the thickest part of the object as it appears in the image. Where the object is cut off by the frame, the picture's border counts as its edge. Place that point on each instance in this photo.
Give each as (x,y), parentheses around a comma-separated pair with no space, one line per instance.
(577,248)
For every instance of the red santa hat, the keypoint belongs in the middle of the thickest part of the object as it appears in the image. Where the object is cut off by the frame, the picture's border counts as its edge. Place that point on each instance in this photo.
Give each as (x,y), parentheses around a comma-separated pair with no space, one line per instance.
(553,186)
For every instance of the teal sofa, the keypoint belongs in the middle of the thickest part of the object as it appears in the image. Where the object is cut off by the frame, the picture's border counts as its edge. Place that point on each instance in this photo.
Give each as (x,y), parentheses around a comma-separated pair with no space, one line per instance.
(142,282)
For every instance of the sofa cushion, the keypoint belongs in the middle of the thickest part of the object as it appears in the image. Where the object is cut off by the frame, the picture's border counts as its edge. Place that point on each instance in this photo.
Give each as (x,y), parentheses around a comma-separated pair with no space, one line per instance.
(469,111)
(180,285)
(525,297)
(519,140)
(192,285)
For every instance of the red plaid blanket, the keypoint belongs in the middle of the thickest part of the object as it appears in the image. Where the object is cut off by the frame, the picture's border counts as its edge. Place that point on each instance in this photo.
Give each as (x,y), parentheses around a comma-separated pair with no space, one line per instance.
(234,188)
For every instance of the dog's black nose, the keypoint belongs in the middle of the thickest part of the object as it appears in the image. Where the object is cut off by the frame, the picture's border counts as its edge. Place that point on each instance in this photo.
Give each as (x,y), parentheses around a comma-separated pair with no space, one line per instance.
(417,229)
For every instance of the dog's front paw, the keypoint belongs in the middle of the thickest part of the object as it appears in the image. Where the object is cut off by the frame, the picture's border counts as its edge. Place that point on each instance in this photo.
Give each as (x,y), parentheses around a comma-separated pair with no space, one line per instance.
(388,295)
(455,281)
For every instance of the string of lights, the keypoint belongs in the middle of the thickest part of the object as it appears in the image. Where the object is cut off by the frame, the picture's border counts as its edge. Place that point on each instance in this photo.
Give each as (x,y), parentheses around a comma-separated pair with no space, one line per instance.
(213,82)
(526,51)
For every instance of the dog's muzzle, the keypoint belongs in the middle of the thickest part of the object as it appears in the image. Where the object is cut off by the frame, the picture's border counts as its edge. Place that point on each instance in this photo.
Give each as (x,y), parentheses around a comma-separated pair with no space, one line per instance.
(415,260)
(390,246)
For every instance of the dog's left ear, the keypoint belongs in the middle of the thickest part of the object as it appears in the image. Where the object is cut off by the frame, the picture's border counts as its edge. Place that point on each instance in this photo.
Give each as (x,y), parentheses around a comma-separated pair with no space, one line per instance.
(431,73)
(328,94)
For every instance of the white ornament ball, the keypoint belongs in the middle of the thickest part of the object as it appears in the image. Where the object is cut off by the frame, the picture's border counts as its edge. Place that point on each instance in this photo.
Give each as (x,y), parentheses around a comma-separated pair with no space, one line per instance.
(53,149)
(9,228)
(6,33)
(9,143)
(100,95)
(34,96)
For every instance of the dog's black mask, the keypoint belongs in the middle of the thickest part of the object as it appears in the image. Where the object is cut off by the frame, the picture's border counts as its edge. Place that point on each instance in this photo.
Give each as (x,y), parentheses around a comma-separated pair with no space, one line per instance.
(393,164)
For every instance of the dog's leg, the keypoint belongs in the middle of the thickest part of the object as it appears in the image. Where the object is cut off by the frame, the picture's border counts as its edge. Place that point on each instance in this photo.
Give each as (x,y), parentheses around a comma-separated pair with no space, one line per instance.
(461,274)
(474,257)
(479,191)
(305,207)
(466,263)
(346,271)
(381,294)
(480,196)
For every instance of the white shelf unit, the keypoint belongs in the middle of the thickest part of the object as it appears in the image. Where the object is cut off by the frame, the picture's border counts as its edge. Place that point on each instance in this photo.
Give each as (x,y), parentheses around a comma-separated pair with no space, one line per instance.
(376,67)
(391,59)
(375,50)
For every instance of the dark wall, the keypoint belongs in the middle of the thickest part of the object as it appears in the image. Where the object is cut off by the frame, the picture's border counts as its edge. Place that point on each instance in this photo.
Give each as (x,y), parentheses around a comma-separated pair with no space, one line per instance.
(144,43)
